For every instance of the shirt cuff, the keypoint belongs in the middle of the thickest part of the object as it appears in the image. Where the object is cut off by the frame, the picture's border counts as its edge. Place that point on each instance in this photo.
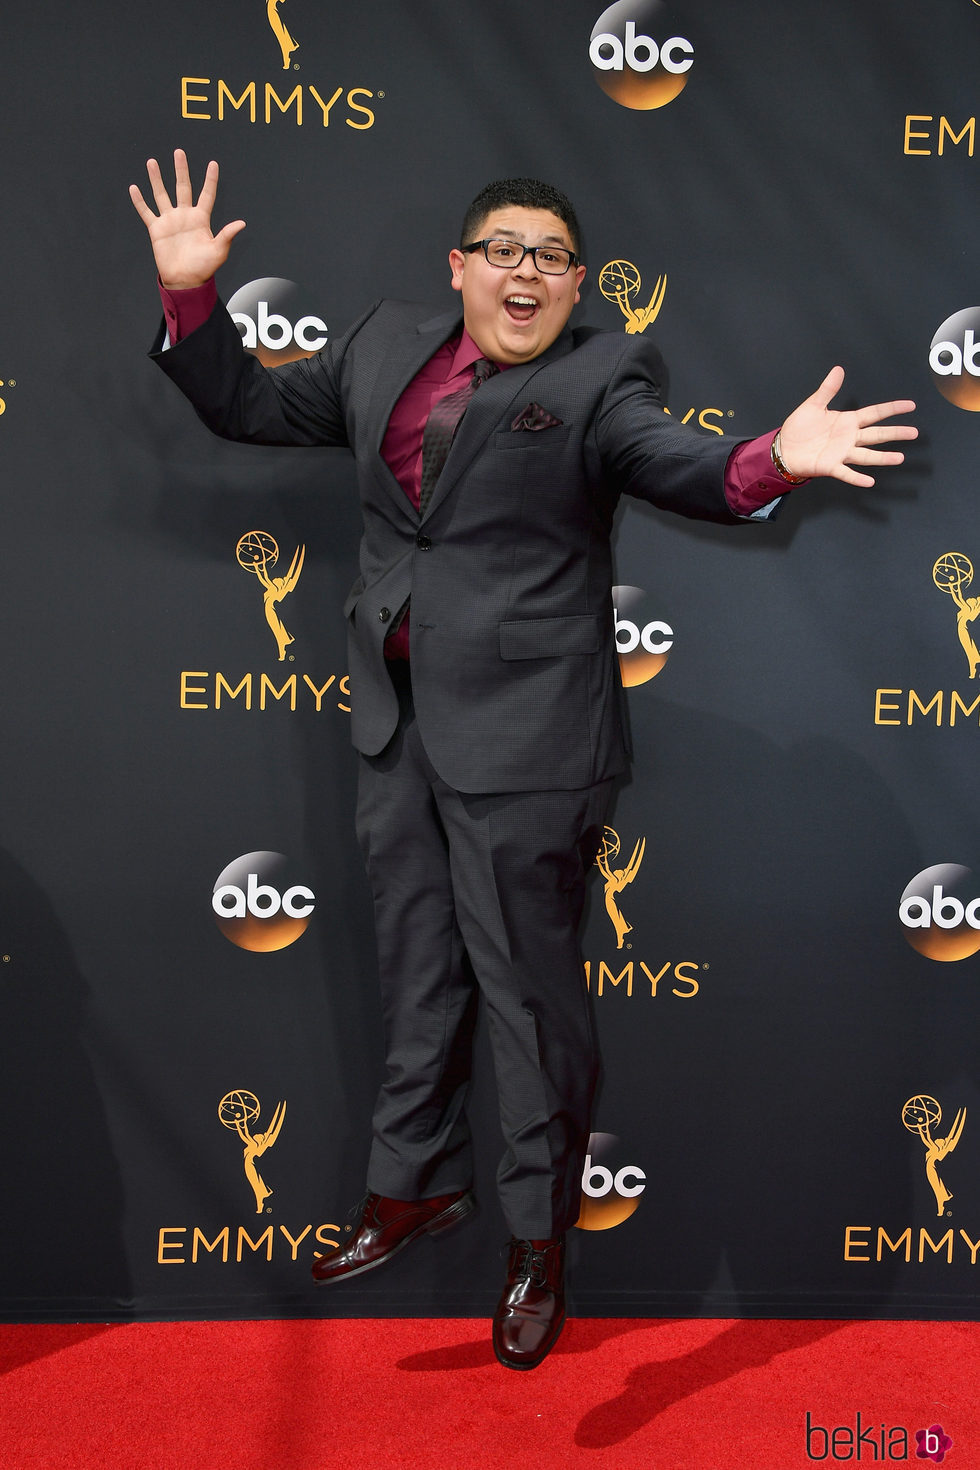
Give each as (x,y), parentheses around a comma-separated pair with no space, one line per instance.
(753,486)
(185,311)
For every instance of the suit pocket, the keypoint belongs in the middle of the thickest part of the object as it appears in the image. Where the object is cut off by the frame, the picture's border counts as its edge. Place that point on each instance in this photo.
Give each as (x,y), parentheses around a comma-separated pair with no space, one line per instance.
(549,637)
(534,440)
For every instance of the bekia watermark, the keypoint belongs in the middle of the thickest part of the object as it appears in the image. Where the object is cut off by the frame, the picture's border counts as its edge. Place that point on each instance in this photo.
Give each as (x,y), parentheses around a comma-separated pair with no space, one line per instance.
(874,1442)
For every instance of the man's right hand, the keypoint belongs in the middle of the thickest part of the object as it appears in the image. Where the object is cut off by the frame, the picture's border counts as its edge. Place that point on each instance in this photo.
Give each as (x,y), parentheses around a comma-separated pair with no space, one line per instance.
(186,252)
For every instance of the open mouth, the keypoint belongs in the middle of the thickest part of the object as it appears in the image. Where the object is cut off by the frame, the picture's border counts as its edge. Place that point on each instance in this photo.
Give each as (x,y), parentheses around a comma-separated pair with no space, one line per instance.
(521,308)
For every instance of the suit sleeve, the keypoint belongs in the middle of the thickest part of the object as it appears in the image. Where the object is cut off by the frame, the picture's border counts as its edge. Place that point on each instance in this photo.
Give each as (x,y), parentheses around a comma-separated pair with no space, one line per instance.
(651,456)
(299,404)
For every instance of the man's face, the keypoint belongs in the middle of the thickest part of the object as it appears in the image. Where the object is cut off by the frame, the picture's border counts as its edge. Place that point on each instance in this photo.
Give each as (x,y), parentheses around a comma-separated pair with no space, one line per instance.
(514,315)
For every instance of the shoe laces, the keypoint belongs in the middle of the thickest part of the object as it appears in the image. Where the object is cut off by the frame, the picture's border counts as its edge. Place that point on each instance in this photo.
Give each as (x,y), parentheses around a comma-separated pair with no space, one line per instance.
(526,1261)
(356,1214)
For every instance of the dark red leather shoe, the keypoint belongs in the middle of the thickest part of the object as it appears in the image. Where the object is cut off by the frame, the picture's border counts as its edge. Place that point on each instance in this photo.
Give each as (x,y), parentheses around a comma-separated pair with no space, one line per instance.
(386,1227)
(531,1313)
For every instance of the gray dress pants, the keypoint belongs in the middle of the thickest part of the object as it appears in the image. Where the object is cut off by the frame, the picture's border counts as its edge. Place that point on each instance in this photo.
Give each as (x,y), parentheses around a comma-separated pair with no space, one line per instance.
(479,897)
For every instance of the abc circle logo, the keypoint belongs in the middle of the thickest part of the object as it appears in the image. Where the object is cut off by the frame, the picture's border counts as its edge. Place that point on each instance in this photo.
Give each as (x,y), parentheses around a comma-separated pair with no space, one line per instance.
(940,912)
(954,358)
(643,641)
(638,56)
(259,905)
(610,1190)
(276,327)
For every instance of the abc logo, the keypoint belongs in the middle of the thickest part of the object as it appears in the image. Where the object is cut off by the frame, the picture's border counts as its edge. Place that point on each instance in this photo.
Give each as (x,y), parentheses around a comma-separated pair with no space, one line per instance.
(954,358)
(638,57)
(274,325)
(940,912)
(642,640)
(257,904)
(610,1189)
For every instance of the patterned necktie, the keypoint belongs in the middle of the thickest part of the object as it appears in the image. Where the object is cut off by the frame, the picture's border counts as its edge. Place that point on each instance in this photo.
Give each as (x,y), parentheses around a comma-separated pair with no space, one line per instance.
(442,424)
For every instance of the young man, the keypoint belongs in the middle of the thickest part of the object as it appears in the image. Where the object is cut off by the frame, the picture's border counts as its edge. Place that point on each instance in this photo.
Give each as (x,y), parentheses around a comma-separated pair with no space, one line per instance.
(492,448)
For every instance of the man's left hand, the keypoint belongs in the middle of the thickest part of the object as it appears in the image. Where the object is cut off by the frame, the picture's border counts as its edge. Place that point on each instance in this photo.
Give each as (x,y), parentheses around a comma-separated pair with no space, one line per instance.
(817,440)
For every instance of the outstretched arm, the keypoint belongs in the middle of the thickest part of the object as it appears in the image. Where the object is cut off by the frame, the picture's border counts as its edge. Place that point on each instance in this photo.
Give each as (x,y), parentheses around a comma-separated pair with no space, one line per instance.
(186,252)
(818,440)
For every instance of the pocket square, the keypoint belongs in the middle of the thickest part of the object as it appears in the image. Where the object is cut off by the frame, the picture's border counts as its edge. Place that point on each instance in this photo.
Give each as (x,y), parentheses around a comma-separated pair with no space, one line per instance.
(535,417)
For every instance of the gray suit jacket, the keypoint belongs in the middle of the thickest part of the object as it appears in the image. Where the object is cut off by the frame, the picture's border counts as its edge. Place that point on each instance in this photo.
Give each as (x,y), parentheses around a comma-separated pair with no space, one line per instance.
(509,570)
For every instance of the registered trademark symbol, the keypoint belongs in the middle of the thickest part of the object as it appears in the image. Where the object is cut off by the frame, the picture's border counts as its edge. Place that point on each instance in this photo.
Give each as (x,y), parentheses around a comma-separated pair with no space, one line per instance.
(706,966)
(731,413)
(292,658)
(6,959)
(295,66)
(380,94)
(268,1209)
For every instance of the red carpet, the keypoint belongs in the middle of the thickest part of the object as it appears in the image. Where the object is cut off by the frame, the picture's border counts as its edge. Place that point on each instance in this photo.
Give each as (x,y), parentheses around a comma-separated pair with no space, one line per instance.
(423,1395)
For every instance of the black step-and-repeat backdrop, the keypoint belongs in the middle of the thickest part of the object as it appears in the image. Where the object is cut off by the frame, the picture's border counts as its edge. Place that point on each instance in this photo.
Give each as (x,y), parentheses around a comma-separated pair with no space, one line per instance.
(784,928)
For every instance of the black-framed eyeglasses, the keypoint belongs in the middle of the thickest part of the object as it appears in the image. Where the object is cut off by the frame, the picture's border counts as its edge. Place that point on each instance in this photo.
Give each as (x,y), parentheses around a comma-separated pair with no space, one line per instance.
(550,260)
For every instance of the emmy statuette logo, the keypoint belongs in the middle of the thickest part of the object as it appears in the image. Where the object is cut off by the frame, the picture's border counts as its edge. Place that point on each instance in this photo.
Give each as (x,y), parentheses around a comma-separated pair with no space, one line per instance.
(214,1246)
(617,879)
(223,93)
(942,708)
(239,1111)
(286,43)
(258,552)
(952,573)
(619,282)
(628,974)
(921,1114)
(867,1244)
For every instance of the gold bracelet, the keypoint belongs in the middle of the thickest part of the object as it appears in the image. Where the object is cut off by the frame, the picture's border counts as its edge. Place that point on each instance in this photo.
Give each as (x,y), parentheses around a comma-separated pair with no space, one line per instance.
(781,469)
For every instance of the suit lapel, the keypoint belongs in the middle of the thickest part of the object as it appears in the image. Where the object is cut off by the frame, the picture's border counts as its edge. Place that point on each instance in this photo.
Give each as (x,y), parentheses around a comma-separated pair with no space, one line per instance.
(488,406)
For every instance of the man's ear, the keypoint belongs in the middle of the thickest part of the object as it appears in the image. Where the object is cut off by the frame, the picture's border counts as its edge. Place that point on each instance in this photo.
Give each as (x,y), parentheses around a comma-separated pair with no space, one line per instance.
(456,262)
(579,278)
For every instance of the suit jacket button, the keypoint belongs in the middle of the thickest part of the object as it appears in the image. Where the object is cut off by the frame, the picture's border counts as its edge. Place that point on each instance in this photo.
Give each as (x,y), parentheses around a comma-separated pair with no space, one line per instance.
(384,615)
(423,543)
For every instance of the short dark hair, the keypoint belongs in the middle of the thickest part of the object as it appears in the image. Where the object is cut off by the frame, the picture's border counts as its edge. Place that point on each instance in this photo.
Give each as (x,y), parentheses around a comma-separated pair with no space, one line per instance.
(526,194)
